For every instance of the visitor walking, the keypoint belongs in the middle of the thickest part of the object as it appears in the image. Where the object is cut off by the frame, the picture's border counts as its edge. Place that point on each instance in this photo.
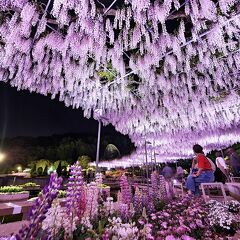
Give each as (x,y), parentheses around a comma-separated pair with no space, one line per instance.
(204,173)
(234,162)
(222,173)
(167,172)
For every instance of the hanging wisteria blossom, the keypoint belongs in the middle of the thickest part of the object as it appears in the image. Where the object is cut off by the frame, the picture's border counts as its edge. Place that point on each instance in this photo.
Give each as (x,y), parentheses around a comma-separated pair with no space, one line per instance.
(166,71)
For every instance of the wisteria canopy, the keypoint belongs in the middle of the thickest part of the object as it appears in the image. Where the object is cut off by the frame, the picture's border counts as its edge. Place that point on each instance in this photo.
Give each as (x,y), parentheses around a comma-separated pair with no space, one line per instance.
(165,71)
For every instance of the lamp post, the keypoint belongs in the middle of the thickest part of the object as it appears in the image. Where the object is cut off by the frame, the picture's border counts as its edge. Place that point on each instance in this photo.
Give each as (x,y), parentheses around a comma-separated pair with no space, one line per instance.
(98,115)
(98,143)
(147,170)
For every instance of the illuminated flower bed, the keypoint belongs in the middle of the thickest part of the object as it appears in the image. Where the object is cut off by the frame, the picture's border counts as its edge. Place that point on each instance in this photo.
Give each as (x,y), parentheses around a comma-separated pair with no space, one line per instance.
(13,193)
(139,215)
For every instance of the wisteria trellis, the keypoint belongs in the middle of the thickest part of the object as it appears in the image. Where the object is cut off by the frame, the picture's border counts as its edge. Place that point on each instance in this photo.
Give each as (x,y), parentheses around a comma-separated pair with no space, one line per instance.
(175,64)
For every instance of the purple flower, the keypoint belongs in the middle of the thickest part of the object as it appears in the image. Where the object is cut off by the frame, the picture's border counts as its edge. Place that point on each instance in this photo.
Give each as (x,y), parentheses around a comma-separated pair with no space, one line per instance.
(125,190)
(170,237)
(75,198)
(38,211)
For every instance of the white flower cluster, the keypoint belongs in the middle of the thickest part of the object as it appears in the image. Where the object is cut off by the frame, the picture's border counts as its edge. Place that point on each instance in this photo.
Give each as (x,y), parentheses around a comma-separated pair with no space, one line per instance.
(86,223)
(8,238)
(109,206)
(219,216)
(69,225)
(234,206)
(58,217)
(54,218)
(122,231)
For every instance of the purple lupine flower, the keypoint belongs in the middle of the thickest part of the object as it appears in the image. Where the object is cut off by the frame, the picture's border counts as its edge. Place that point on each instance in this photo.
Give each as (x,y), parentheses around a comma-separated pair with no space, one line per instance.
(75,199)
(148,202)
(138,201)
(125,190)
(38,211)
(154,187)
(162,184)
(123,211)
(92,200)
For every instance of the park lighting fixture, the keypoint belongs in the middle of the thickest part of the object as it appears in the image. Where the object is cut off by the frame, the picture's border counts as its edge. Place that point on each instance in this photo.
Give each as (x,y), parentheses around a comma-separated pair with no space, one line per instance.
(19,169)
(2,157)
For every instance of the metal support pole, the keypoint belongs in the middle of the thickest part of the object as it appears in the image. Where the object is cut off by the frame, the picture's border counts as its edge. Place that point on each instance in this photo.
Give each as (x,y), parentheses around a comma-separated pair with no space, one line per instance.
(98,144)
(155,161)
(146,164)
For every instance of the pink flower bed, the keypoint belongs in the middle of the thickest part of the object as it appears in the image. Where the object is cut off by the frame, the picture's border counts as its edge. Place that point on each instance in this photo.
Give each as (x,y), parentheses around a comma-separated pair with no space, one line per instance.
(135,214)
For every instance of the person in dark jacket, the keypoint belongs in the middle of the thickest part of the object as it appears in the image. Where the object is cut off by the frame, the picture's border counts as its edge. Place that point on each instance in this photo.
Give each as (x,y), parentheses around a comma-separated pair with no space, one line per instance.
(234,162)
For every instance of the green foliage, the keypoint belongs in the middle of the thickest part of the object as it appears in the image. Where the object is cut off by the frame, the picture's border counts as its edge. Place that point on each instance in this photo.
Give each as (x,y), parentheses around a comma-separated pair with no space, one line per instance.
(29,184)
(10,189)
(62,194)
(84,161)
(108,74)
(56,164)
(40,171)
(28,151)
(103,186)
(160,205)
(43,163)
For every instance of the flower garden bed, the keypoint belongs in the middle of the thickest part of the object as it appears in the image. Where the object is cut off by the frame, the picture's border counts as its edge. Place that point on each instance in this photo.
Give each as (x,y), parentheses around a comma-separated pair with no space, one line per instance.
(10,197)
(137,214)
(13,193)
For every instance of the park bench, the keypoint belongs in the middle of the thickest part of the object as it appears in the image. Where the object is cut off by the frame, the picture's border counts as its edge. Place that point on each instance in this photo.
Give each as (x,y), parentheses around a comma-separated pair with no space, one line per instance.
(178,189)
(234,189)
(214,191)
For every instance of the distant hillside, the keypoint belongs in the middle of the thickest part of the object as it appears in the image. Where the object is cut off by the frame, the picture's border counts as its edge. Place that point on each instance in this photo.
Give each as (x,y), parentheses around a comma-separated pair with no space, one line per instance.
(67,147)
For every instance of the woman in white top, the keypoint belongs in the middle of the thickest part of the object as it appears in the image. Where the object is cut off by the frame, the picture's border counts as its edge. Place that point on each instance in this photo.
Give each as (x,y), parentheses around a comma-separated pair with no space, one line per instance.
(221,164)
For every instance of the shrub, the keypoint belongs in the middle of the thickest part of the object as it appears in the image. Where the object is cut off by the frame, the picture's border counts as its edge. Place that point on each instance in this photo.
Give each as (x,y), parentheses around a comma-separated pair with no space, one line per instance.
(10,189)
(62,194)
(29,184)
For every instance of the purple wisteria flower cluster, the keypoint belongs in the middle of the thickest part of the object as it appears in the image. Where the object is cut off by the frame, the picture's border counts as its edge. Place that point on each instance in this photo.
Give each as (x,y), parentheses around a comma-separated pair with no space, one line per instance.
(176,76)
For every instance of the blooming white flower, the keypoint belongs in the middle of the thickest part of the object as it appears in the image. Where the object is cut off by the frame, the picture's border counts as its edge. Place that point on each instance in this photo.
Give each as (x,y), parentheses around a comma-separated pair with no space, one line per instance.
(54,218)
(122,231)
(219,216)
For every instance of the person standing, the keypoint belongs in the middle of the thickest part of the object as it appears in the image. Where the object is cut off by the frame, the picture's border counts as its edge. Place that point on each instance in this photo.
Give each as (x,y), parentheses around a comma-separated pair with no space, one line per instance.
(221,165)
(234,161)
(204,172)
(167,172)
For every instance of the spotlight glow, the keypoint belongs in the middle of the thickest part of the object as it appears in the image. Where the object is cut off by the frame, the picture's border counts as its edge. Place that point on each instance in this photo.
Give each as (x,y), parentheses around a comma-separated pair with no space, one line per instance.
(2,157)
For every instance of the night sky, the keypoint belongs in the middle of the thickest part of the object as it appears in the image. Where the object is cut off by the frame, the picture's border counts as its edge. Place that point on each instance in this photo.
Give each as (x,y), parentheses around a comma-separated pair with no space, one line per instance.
(29,114)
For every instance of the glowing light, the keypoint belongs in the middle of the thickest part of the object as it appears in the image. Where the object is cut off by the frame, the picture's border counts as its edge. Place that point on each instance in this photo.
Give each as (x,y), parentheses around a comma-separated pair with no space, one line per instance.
(19,169)
(174,181)
(2,157)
